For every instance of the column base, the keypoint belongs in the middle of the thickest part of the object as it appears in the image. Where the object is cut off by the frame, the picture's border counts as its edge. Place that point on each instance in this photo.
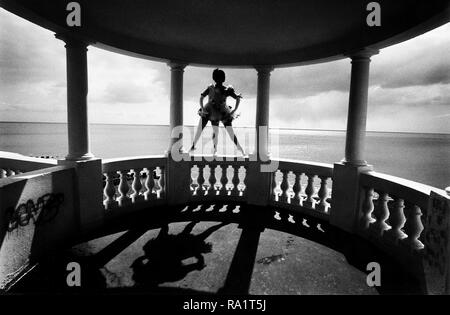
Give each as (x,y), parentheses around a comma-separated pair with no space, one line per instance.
(346,195)
(354,162)
(181,155)
(260,157)
(80,157)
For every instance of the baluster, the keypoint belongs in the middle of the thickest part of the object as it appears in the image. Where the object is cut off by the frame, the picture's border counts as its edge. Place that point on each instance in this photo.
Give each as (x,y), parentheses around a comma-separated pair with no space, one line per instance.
(413,227)
(200,181)
(310,202)
(212,180)
(162,183)
(206,175)
(244,181)
(284,187)
(297,188)
(109,191)
(224,181)
(2,173)
(137,186)
(274,186)
(323,195)
(192,185)
(397,221)
(149,185)
(10,172)
(302,193)
(123,188)
(235,181)
(381,213)
(367,208)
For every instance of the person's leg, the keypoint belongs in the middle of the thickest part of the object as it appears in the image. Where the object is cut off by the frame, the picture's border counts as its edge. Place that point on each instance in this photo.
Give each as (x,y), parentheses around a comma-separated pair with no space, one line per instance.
(215,126)
(230,131)
(188,228)
(201,125)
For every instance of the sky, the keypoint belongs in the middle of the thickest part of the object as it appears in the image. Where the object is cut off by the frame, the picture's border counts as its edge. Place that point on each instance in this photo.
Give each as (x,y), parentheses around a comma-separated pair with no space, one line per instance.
(409,85)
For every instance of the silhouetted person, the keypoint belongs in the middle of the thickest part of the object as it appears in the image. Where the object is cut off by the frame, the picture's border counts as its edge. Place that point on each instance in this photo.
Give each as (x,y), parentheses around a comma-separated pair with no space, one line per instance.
(164,255)
(216,110)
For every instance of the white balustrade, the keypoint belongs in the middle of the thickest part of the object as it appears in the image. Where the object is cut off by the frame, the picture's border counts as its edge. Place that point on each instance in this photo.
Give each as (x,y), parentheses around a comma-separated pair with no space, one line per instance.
(212,181)
(289,191)
(413,226)
(109,191)
(297,188)
(310,191)
(381,213)
(323,195)
(396,217)
(218,185)
(13,163)
(133,181)
(367,209)
(224,181)
(284,188)
(397,221)
(137,195)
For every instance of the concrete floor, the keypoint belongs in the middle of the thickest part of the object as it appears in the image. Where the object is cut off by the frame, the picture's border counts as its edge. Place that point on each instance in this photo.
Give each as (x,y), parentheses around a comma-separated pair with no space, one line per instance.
(238,262)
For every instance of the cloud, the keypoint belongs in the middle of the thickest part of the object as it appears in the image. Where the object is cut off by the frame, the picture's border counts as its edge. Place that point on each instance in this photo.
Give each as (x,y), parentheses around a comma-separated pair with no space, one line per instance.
(28,53)
(410,85)
(423,60)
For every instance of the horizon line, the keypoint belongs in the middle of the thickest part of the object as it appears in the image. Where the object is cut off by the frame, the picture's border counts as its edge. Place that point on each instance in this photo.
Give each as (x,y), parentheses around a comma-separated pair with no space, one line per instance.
(246,127)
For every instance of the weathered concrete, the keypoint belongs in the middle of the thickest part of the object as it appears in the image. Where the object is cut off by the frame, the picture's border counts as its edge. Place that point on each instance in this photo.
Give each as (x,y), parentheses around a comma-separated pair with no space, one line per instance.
(284,264)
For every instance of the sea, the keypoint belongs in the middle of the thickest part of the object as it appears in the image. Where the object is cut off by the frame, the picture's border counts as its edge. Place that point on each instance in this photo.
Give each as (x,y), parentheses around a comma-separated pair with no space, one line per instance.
(421,157)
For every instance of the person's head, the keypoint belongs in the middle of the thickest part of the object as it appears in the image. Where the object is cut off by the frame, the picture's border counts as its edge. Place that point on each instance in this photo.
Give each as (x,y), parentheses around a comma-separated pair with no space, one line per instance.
(218,76)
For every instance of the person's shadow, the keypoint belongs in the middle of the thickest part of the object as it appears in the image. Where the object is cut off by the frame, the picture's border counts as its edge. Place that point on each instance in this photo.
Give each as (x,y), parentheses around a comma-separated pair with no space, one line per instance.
(163,256)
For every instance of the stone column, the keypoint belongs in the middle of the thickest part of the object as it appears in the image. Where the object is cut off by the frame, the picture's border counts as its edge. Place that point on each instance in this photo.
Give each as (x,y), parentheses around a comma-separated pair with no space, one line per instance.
(357,108)
(77,90)
(262,112)
(178,169)
(346,191)
(259,178)
(176,102)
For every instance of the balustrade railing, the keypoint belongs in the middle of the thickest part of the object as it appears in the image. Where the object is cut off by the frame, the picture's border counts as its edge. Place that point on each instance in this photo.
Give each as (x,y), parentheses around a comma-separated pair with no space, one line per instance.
(134,181)
(300,185)
(219,179)
(392,210)
(12,164)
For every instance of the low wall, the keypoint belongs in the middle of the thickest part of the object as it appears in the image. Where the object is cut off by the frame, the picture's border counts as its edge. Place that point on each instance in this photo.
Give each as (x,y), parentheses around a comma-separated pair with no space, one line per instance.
(36,215)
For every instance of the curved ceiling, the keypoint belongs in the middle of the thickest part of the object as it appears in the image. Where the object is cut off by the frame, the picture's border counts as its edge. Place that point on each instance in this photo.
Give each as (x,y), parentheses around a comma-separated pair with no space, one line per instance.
(237,32)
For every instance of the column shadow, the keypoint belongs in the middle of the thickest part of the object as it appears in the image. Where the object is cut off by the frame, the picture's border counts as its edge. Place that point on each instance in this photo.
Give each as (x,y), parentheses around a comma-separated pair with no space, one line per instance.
(241,269)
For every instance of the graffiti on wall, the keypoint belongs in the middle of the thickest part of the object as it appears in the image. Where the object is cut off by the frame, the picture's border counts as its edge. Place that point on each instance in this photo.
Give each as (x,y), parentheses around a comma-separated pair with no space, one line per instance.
(44,210)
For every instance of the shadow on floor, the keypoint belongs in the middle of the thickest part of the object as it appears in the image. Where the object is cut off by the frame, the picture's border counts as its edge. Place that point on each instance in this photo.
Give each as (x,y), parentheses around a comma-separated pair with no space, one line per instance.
(164,255)
(171,257)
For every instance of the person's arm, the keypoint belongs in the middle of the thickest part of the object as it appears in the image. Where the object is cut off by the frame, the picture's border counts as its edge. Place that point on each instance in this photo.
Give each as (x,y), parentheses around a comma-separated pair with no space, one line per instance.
(238,101)
(202,97)
(201,101)
(237,97)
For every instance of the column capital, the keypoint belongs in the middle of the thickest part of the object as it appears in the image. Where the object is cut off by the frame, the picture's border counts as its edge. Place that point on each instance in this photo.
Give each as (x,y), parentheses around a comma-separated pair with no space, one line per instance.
(264,69)
(177,65)
(362,55)
(73,41)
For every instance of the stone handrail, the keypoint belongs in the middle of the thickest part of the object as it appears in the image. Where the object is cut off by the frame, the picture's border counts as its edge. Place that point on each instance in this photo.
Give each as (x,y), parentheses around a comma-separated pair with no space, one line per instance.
(14,163)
